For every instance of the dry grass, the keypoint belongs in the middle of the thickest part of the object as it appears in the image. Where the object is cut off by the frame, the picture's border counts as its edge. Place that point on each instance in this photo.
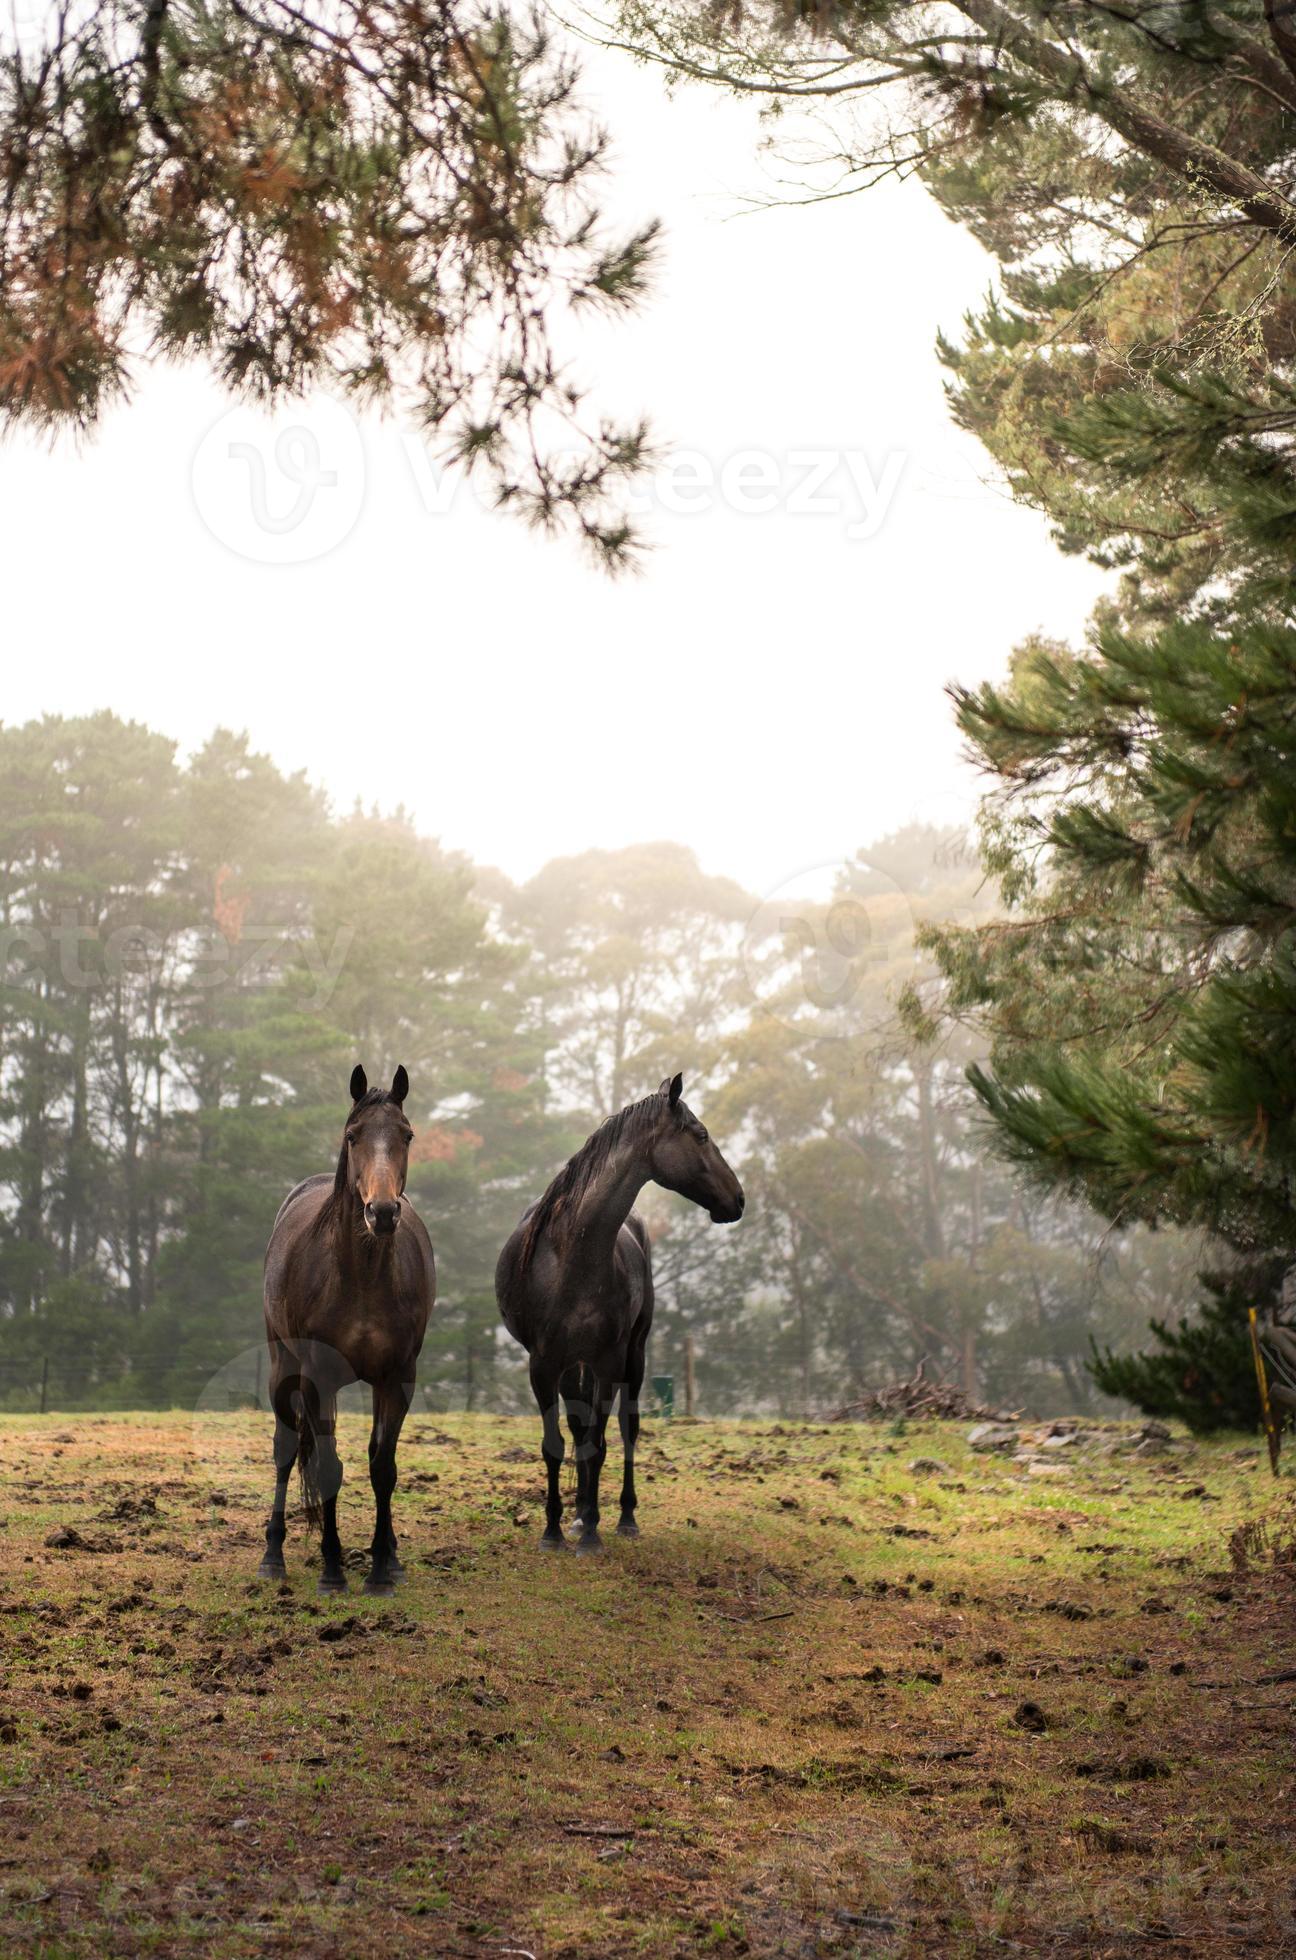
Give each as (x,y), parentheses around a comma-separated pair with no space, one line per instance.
(828,1704)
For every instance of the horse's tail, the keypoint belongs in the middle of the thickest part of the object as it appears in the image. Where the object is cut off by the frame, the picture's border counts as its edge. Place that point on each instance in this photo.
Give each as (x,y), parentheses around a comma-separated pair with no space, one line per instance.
(314,1411)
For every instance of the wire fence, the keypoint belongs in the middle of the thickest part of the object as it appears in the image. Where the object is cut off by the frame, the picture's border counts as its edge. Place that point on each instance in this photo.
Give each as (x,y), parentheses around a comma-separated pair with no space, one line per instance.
(41,1383)
(45,1384)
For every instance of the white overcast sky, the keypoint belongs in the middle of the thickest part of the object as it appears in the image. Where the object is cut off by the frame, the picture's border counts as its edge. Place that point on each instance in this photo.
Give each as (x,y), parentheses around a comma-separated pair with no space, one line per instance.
(769,690)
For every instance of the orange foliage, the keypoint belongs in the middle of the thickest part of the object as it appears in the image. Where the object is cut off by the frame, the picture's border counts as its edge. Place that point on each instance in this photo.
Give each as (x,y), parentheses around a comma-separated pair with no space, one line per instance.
(438,1146)
(271,179)
(228,909)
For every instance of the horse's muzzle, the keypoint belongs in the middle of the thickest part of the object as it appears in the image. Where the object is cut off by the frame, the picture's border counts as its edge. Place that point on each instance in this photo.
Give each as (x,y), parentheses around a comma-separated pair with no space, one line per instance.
(382,1218)
(730,1213)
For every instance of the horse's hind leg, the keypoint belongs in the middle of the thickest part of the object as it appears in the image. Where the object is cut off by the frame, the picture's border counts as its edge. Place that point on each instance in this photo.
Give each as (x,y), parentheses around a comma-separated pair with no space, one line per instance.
(629,1419)
(285,1455)
(544,1387)
(389,1405)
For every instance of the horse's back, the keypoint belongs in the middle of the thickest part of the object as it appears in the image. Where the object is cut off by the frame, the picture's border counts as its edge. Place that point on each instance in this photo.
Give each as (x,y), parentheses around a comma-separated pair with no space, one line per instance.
(316,1183)
(634,1233)
(510,1289)
(638,1231)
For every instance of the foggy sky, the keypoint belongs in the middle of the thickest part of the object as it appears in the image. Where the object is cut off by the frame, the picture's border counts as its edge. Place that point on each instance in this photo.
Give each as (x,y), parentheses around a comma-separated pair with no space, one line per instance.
(828,551)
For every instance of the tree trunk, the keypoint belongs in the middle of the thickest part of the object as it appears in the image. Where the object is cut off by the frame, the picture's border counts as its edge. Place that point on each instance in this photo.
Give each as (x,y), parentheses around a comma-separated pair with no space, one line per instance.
(1194,161)
(969,1364)
(933,1227)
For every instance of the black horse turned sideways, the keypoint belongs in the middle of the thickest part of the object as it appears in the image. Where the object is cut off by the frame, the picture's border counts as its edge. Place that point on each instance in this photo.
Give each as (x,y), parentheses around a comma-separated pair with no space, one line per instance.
(349,1285)
(574,1285)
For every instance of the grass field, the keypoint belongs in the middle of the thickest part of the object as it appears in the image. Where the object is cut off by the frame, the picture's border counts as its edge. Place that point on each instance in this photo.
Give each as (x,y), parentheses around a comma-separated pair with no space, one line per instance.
(856,1690)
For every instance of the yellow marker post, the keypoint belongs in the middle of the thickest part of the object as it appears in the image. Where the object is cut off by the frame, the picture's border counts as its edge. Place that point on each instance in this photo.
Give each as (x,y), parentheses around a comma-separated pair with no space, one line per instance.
(1272,1434)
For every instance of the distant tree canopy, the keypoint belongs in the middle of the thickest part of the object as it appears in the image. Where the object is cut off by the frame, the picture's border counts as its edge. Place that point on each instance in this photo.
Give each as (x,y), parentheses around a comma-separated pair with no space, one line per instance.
(192,957)
(395,198)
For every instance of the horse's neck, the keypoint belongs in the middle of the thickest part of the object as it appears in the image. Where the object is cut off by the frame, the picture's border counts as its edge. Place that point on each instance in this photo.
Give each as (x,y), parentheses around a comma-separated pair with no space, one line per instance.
(607,1204)
(361,1256)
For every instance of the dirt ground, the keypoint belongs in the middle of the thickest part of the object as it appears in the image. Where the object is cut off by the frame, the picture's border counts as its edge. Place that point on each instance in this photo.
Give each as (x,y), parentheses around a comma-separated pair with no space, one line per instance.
(856,1690)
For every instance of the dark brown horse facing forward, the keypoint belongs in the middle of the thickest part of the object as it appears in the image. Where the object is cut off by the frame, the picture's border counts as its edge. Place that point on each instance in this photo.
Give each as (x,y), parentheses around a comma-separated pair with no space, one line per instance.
(349,1285)
(574,1285)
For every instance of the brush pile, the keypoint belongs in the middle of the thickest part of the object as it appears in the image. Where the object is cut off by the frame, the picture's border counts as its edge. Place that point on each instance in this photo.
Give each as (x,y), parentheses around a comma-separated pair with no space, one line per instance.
(923,1400)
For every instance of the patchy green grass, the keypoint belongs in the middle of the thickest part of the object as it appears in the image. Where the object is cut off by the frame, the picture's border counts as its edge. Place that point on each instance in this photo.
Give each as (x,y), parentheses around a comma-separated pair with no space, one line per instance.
(829,1703)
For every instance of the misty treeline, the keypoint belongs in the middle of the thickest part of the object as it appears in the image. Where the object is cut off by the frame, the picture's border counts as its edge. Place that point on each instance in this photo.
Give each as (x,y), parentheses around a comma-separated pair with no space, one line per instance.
(196,952)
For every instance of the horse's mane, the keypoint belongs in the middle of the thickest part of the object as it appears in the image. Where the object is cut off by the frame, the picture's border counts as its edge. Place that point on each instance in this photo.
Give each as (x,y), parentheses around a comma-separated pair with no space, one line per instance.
(561,1201)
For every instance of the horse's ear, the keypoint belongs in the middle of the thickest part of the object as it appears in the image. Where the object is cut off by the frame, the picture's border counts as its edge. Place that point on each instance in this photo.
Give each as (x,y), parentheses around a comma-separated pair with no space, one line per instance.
(672,1088)
(359,1083)
(400,1086)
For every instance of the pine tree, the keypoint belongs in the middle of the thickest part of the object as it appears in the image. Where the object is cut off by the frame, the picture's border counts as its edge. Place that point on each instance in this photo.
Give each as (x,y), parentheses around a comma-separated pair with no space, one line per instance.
(1175,1098)
(392,199)
(1200,1371)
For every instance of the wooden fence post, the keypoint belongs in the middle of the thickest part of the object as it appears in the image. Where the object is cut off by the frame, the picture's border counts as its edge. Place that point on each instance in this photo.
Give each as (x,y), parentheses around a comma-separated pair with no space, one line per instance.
(1273,1433)
(44,1382)
(688,1374)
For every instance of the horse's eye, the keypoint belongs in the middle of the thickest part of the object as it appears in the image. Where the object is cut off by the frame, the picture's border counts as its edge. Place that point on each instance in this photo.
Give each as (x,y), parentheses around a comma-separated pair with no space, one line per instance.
(702,1136)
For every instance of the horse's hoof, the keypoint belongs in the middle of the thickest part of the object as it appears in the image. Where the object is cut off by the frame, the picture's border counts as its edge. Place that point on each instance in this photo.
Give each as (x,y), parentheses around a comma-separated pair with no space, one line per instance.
(397,1574)
(379,1588)
(627,1528)
(588,1542)
(553,1542)
(272,1568)
(332,1582)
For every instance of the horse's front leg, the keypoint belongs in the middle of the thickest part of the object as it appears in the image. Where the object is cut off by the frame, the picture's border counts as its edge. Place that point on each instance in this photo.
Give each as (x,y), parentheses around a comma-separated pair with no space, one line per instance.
(595,1453)
(390,1401)
(578,1415)
(629,1414)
